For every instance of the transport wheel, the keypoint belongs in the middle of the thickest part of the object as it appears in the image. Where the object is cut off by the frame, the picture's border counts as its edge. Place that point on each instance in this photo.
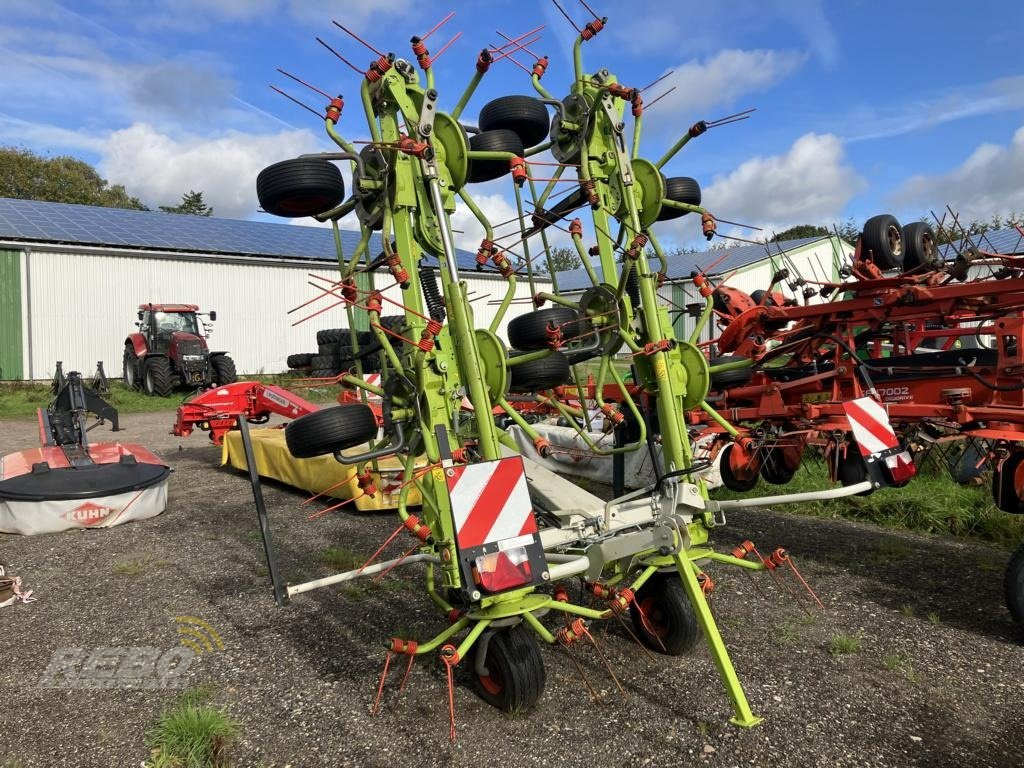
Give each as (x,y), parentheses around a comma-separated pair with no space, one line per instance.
(492,141)
(300,360)
(331,336)
(535,375)
(671,623)
(157,377)
(223,370)
(530,331)
(852,470)
(919,245)
(130,367)
(761,297)
(729,378)
(1006,479)
(883,236)
(736,479)
(775,469)
(1013,584)
(330,430)
(682,189)
(525,116)
(304,186)
(515,670)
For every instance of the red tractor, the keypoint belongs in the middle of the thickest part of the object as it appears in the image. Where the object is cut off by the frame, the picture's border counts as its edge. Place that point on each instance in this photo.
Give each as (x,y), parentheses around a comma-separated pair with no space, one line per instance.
(169,350)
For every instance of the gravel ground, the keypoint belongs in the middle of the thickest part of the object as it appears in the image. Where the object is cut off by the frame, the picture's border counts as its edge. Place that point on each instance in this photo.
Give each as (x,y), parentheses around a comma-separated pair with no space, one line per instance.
(936,680)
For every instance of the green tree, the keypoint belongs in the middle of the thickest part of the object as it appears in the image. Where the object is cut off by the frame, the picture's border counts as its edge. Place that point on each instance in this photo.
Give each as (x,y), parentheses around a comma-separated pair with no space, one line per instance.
(799,231)
(27,176)
(561,260)
(191,204)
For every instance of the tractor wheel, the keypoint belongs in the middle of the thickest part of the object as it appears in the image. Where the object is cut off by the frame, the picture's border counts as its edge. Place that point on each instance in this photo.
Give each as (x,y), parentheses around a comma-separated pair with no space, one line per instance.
(492,141)
(775,469)
(536,375)
(300,360)
(682,189)
(852,469)
(530,331)
(515,670)
(331,336)
(883,236)
(525,116)
(130,367)
(325,361)
(740,481)
(730,378)
(330,430)
(1013,584)
(304,186)
(920,248)
(1005,484)
(665,621)
(223,370)
(156,377)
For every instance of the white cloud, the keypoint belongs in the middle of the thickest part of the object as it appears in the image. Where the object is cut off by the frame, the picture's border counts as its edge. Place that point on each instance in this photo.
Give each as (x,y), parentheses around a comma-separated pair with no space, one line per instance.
(159,168)
(988,182)
(810,183)
(725,77)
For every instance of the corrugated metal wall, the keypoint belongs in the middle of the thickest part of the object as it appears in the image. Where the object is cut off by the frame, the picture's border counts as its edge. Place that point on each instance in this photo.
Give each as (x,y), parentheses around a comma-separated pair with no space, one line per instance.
(10,315)
(84,305)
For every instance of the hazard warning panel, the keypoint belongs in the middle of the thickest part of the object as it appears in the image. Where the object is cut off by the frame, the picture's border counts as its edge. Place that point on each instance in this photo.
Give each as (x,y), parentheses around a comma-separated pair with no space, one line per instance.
(876,439)
(495,528)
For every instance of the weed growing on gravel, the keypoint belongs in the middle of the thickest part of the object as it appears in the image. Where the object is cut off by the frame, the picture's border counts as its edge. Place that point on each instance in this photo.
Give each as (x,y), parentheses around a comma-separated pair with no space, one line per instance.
(907,610)
(192,734)
(900,661)
(786,634)
(341,559)
(135,566)
(843,644)
(934,618)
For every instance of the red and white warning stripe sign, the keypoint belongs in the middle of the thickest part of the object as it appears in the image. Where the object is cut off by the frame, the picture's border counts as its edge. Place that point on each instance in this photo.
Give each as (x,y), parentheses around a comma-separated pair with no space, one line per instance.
(869,423)
(490,502)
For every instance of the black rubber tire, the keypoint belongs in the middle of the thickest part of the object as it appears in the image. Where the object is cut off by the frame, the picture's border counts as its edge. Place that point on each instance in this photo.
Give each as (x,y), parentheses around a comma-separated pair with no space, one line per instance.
(325,361)
(852,469)
(883,237)
(156,377)
(331,336)
(492,141)
(1013,586)
(1004,492)
(537,375)
(304,186)
(682,189)
(729,378)
(515,667)
(530,331)
(330,430)
(337,349)
(300,360)
(323,373)
(774,469)
(525,116)
(919,245)
(223,370)
(669,613)
(130,368)
(762,295)
(729,479)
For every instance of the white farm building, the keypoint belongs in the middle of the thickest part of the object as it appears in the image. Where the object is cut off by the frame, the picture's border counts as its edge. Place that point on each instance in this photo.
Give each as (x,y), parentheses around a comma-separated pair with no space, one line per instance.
(73,276)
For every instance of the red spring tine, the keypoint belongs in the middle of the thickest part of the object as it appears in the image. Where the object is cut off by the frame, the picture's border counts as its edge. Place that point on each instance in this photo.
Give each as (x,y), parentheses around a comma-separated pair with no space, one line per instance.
(293,99)
(343,59)
(303,82)
(521,47)
(444,48)
(514,40)
(792,567)
(573,23)
(590,10)
(654,101)
(356,37)
(437,26)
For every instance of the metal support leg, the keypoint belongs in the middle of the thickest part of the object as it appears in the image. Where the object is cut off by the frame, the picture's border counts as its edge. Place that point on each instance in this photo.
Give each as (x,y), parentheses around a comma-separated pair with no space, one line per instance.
(261,513)
(742,715)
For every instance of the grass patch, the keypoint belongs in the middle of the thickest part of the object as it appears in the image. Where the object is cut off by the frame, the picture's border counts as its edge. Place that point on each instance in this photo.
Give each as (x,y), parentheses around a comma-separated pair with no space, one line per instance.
(900,662)
(192,734)
(136,566)
(841,645)
(341,559)
(932,503)
(907,610)
(786,633)
(934,618)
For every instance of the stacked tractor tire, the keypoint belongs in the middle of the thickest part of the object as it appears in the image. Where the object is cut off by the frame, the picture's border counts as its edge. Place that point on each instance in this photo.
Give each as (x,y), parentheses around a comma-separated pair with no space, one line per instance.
(336,355)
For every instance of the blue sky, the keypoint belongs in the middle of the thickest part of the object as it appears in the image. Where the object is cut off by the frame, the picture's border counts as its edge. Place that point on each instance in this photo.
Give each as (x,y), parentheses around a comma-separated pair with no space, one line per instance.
(862,107)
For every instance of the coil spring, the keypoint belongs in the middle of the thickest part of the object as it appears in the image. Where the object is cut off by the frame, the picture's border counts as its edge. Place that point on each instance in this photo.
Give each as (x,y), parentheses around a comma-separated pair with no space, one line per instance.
(633,288)
(431,293)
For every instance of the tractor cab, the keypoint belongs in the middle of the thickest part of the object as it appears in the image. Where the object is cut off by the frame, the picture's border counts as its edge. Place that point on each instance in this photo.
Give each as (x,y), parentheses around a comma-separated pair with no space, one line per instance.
(160,322)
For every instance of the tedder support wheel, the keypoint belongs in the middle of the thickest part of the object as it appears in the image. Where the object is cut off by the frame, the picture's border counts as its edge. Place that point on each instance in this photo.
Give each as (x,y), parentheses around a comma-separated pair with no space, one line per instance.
(852,469)
(223,370)
(775,469)
(732,377)
(740,478)
(530,331)
(1013,583)
(666,621)
(304,186)
(1007,479)
(526,116)
(330,430)
(883,236)
(681,189)
(493,141)
(535,375)
(156,377)
(919,245)
(515,670)
(130,367)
